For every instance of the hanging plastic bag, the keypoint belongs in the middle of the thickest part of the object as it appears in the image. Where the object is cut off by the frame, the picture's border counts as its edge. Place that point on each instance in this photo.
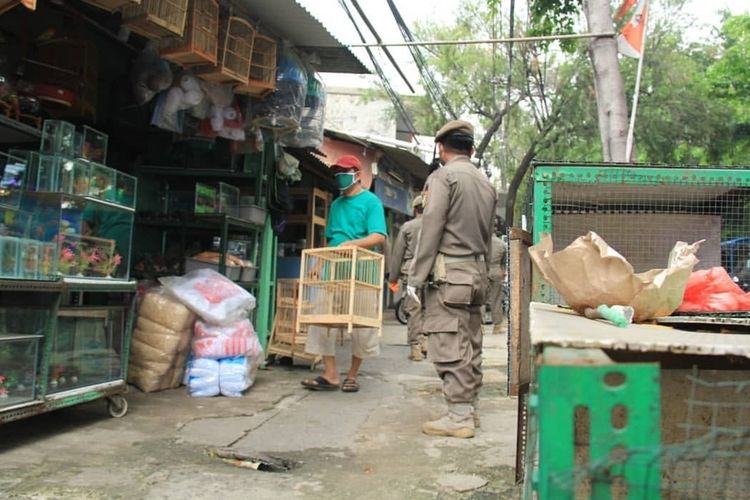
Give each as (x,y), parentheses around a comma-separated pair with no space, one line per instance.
(310,132)
(150,75)
(283,109)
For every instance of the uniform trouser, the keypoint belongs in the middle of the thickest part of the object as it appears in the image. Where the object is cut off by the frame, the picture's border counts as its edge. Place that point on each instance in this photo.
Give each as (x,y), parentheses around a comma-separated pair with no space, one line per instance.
(497,297)
(414,325)
(453,322)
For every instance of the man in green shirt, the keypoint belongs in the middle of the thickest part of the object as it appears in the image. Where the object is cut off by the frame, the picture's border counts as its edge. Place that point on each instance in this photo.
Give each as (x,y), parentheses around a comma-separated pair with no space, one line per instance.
(356,218)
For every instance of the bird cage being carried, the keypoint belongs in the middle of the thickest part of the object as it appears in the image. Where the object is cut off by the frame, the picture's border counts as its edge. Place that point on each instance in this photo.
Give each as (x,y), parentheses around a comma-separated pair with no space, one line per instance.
(200,45)
(235,53)
(341,287)
(6,5)
(156,19)
(262,79)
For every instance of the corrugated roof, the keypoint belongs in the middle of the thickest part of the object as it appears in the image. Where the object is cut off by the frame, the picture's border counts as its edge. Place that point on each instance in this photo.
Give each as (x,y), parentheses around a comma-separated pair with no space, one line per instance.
(290,20)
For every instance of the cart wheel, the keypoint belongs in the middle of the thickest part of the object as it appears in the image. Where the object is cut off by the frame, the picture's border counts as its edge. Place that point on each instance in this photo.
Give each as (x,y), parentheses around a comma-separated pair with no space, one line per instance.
(117,406)
(400,313)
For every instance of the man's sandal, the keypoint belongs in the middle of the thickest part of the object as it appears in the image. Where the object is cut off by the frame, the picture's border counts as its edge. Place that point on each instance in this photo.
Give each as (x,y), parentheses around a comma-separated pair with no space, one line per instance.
(319,384)
(349,385)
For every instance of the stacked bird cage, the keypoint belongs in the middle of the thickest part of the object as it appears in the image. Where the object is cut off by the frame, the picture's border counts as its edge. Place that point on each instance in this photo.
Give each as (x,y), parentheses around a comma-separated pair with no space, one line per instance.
(235,53)
(641,211)
(341,287)
(200,45)
(262,79)
(156,19)
(286,340)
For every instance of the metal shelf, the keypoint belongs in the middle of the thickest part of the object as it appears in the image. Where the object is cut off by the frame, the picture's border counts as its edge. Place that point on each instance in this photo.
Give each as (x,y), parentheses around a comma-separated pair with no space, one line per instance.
(98,285)
(15,132)
(208,221)
(192,172)
(31,285)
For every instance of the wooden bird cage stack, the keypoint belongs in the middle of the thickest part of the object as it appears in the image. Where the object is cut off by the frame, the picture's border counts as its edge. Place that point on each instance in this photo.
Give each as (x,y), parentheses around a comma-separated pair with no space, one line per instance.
(200,45)
(112,5)
(262,79)
(235,53)
(286,340)
(341,288)
(156,19)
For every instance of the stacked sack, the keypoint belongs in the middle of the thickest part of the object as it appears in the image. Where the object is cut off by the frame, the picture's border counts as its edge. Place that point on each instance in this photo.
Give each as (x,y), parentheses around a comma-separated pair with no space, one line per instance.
(161,342)
(225,350)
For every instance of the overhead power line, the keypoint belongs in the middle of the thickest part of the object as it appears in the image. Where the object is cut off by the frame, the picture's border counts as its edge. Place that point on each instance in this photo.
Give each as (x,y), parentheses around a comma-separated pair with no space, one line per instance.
(377,37)
(379,70)
(431,85)
(486,41)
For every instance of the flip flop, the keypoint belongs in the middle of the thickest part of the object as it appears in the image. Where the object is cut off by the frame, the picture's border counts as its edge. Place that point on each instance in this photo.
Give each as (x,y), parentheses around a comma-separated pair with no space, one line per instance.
(349,385)
(319,384)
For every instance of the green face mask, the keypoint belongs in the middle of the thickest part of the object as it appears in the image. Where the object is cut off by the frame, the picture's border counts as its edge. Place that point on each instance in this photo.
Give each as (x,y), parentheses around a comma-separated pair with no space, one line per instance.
(345,180)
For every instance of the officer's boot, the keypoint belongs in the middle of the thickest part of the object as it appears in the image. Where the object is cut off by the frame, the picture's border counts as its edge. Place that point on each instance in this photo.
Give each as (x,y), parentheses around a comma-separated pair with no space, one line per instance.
(458,422)
(416,353)
(423,344)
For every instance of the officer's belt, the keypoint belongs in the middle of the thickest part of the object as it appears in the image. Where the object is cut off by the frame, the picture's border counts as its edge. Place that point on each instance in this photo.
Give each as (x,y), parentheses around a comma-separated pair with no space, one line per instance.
(464,258)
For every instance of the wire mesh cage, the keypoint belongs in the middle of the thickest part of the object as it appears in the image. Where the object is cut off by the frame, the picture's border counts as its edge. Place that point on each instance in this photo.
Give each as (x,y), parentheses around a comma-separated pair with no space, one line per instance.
(341,287)
(235,53)
(262,68)
(642,211)
(711,460)
(200,45)
(156,19)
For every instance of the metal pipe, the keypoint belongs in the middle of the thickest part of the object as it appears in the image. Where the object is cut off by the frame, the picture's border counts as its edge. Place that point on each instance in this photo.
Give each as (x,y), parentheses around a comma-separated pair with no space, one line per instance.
(483,41)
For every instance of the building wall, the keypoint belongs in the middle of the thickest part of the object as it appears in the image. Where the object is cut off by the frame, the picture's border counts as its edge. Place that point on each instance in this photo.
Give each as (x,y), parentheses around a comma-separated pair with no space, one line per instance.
(346,111)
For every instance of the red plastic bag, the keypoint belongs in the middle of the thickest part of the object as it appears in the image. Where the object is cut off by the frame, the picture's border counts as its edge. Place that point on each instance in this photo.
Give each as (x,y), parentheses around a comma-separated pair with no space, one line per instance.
(713,290)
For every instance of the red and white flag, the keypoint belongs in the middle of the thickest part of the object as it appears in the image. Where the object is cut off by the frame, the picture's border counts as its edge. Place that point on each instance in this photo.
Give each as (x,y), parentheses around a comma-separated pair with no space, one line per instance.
(631,38)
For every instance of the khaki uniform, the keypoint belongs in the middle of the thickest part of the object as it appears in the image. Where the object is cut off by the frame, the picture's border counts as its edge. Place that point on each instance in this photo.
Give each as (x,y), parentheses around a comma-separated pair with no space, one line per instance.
(451,264)
(497,278)
(400,263)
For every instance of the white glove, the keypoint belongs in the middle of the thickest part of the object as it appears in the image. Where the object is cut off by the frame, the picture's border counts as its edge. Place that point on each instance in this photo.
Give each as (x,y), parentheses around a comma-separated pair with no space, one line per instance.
(412,292)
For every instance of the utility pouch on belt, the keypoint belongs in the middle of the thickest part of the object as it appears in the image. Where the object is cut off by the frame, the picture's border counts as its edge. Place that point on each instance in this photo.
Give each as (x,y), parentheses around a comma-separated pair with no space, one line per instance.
(458,289)
(439,274)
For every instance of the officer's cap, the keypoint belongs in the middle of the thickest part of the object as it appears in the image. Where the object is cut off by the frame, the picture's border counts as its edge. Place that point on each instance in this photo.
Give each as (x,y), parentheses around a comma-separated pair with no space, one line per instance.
(417,202)
(455,127)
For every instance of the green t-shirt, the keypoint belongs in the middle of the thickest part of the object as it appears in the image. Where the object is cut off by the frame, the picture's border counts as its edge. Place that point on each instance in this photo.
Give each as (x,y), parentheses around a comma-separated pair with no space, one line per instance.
(355,217)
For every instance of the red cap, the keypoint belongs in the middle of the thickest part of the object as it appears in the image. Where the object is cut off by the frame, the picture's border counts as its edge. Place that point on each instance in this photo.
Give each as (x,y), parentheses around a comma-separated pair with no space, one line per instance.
(347,162)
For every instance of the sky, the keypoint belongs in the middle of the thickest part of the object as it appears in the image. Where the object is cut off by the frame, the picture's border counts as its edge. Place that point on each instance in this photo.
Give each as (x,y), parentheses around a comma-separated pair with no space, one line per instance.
(333,17)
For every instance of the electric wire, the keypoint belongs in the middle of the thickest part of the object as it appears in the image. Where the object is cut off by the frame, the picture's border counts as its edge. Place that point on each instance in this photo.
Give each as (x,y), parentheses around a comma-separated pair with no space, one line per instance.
(430,83)
(379,40)
(379,70)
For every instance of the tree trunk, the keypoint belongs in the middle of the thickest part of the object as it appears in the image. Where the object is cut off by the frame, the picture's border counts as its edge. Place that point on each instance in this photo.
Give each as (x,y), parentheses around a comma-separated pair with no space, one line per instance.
(610,94)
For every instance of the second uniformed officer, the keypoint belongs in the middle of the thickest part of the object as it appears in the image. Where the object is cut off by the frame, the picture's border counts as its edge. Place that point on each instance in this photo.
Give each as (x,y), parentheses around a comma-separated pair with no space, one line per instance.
(451,267)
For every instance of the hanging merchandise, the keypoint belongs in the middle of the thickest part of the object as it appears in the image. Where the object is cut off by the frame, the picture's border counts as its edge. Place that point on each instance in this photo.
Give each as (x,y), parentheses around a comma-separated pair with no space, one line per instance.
(287,168)
(282,110)
(150,75)
(224,116)
(310,132)
(185,94)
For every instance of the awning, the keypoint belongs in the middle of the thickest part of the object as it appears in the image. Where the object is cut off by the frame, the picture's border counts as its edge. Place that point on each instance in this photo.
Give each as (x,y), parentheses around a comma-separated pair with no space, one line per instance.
(402,158)
(289,20)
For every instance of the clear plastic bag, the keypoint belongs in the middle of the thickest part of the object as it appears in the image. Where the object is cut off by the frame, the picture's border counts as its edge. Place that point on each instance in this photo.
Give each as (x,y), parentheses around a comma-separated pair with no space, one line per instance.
(283,108)
(310,132)
(213,297)
(202,377)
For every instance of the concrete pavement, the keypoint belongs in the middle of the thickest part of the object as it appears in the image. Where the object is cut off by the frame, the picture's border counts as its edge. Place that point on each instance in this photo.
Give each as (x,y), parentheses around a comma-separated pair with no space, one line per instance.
(366,445)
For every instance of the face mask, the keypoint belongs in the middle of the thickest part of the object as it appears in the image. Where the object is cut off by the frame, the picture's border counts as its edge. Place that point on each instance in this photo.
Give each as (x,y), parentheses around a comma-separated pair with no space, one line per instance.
(345,180)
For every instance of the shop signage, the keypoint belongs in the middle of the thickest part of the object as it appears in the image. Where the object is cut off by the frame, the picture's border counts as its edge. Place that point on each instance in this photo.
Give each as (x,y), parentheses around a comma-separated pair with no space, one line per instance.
(392,196)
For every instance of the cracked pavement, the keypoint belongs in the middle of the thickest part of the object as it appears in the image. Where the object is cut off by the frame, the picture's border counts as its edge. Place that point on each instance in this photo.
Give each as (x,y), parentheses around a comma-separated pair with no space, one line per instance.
(367,445)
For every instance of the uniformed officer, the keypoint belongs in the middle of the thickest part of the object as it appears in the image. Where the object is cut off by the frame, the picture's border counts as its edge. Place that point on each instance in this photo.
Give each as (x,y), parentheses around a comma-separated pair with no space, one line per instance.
(399,264)
(496,266)
(451,267)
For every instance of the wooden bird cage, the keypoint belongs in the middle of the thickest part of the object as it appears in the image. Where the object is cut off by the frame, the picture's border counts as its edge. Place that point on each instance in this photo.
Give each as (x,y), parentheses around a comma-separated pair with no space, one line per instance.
(200,45)
(156,19)
(6,5)
(341,287)
(262,69)
(235,53)
(112,5)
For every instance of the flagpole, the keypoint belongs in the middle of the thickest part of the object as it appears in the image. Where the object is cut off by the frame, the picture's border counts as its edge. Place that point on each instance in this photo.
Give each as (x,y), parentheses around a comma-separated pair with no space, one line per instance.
(631,126)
